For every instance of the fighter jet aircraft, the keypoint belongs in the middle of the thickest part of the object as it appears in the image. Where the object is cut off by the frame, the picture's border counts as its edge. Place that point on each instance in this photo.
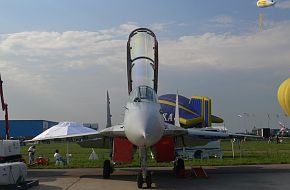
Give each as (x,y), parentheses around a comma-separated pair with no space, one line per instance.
(144,127)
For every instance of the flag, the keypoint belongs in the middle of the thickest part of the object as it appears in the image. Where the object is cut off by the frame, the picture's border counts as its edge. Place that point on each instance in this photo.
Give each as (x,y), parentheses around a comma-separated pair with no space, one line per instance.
(281,125)
(282,129)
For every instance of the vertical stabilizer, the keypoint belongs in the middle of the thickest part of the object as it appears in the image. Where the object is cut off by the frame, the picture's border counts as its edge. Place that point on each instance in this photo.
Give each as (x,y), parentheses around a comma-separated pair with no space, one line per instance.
(109,122)
(176,118)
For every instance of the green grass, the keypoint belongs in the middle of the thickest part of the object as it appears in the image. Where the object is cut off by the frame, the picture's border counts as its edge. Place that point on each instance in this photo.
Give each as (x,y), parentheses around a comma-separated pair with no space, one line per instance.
(250,152)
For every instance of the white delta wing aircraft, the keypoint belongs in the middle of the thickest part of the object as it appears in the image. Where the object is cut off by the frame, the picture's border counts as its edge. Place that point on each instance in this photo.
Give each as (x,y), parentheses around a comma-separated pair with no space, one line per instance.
(265,3)
(144,127)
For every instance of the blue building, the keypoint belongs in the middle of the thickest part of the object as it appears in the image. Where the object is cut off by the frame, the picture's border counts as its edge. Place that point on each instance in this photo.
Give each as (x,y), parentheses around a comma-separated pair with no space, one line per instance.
(25,128)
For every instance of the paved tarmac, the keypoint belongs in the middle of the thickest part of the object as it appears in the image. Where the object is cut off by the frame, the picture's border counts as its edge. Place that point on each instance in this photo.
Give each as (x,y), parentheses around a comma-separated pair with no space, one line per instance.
(253,177)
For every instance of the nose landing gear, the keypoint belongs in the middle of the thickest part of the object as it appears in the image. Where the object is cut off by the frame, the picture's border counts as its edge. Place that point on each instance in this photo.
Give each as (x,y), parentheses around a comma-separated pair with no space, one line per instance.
(144,176)
(148,179)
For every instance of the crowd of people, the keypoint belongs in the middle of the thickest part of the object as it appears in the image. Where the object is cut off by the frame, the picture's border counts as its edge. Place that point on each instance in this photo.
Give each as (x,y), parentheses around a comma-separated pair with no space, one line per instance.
(59,160)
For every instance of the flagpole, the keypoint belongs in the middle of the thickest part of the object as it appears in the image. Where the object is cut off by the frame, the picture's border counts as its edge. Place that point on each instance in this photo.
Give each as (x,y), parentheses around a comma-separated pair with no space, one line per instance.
(268,121)
(67,155)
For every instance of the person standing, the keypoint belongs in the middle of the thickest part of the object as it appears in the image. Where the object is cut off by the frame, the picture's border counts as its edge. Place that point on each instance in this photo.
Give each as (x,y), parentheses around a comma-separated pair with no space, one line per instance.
(31,152)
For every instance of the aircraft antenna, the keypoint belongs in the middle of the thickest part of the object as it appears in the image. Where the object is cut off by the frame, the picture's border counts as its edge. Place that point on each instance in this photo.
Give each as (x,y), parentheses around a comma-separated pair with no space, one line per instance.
(109,122)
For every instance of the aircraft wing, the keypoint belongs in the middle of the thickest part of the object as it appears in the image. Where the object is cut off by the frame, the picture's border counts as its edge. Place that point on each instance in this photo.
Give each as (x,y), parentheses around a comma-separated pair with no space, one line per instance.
(116,130)
(103,137)
(202,134)
(205,134)
(239,135)
(172,130)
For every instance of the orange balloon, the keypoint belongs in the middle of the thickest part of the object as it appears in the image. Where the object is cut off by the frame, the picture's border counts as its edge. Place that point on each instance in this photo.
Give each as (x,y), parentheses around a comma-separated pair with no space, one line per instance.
(283,96)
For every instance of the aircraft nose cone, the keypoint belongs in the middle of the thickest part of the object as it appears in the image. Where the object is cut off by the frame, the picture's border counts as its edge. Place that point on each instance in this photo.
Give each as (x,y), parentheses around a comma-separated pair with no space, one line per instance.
(146,134)
(143,127)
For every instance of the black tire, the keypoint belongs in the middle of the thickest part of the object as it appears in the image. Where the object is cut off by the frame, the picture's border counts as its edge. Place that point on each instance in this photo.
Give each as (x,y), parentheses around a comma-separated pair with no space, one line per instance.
(107,169)
(149,179)
(179,166)
(197,154)
(139,179)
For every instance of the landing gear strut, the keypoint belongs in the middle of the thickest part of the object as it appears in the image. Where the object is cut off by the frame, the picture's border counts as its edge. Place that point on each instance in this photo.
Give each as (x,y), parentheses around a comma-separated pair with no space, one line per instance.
(107,169)
(144,176)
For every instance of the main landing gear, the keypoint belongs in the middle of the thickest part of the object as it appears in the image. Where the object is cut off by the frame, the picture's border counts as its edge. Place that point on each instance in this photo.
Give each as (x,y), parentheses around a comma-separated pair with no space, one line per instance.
(179,166)
(107,169)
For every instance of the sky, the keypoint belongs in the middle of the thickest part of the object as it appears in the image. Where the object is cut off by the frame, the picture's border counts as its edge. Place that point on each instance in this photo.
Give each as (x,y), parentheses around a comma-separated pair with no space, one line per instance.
(59,57)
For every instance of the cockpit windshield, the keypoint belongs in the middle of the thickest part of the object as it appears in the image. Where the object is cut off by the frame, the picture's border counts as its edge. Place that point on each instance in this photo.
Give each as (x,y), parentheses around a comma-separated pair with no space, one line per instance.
(143,93)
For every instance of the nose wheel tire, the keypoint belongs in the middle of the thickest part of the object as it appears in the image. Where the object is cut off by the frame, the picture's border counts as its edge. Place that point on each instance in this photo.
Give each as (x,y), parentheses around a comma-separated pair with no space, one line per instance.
(149,180)
(140,180)
(107,169)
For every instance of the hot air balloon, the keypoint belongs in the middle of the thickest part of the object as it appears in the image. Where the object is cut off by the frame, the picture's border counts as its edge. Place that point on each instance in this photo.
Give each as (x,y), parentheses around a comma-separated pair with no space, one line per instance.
(283,95)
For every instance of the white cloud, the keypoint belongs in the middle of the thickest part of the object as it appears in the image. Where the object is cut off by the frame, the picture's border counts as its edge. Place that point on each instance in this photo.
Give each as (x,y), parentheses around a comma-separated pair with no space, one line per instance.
(69,72)
(123,29)
(283,4)
(32,59)
(222,21)
(160,26)
(230,52)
